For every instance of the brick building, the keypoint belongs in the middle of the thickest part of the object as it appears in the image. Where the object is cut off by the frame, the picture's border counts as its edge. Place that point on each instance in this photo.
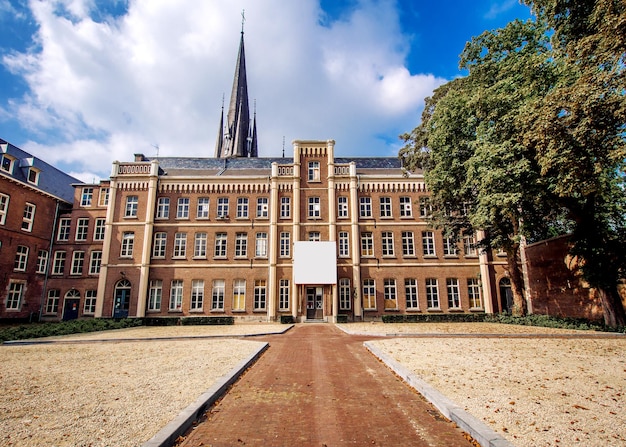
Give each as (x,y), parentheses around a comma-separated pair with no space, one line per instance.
(32,194)
(312,236)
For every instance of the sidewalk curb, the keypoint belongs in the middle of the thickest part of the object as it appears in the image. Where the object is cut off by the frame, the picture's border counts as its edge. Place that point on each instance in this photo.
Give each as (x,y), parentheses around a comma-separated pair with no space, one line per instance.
(180,424)
(484,435)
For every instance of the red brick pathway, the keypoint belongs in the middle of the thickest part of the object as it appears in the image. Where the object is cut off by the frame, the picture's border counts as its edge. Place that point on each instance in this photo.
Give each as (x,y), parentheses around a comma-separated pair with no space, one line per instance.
(317,386)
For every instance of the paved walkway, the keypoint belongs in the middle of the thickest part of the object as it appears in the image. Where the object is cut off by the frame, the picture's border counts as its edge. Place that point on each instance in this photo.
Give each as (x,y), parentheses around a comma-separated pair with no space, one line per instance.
(317,386)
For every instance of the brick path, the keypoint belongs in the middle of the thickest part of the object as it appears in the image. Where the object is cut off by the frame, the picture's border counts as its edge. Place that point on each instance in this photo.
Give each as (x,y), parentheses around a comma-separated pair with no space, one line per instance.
(317,386)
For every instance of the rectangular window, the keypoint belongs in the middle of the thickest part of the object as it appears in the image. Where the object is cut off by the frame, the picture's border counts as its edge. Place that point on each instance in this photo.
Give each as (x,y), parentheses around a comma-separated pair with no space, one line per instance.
(202,210)
(163,208)
(428,243)
(90,302)
(367,244)
(222,207)
(176,295)
(314,171)
(21,258)
(132,204)
(261,245)
(391,295)
(239,295)
(95,262)
(408,243)
(385,207)
(344,244)
(406,208)
(410,292)
(342,207)
(78,259)
(454,297)
(241,245)
(155,295)
(220,245)
(82,228)
(58,266)
(98,231)
(128,241)
(387,243)
(42,261)
(182,208)
(449,246)
(103,198)
(469,246)
(345,295)
(426,209)
(180,245)
(197,294)
(285,207)
(15,295)
(285,244)
(365,207)
(64,229)
(314,207)
(260,294)
(86,197)
(369,294)
(52,301)
(432,293)
(283,294)
(29,217)
(200,245)
(242,208)
(314,236)
(160,243)
(4,208)
(217,295)
(262,208)
(473,291)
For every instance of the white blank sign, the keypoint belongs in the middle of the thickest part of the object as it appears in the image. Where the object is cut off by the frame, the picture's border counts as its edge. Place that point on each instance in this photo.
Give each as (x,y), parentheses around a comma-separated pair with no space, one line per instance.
(315,262)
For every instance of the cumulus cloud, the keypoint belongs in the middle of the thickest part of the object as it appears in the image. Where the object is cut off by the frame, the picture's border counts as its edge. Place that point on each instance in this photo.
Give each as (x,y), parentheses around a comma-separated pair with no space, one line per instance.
(105,86)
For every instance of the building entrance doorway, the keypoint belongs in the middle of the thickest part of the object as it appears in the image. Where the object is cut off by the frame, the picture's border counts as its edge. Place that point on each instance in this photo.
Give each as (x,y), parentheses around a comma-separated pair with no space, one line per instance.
(506,296)
(314,303)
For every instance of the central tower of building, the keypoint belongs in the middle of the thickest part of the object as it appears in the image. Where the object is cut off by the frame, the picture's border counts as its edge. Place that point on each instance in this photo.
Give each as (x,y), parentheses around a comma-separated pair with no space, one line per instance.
(237,137)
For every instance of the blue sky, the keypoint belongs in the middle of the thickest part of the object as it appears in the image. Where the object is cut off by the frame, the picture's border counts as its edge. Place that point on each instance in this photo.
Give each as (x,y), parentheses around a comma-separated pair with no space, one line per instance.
(87,82)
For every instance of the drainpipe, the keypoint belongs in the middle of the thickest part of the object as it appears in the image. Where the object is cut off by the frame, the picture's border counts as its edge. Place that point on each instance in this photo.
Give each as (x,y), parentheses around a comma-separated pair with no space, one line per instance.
(46,275)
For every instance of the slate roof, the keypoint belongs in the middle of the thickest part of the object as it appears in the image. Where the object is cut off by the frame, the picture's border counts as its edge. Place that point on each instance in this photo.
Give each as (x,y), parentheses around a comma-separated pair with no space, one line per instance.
(51,180)
(242,166)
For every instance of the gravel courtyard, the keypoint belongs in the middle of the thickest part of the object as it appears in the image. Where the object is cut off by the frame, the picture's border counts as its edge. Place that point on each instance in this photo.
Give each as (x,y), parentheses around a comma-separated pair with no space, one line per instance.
(534,391)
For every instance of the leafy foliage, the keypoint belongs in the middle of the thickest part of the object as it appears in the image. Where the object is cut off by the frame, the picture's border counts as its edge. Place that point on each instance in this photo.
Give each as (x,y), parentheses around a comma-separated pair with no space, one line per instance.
(37,330)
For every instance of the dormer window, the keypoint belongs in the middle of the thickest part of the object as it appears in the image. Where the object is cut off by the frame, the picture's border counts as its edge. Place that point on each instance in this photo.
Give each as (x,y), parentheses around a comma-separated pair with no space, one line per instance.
(7,163)
(33,176)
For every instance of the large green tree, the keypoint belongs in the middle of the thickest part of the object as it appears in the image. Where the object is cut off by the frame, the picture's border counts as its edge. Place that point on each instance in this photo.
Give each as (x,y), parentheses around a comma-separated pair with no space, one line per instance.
(533,139)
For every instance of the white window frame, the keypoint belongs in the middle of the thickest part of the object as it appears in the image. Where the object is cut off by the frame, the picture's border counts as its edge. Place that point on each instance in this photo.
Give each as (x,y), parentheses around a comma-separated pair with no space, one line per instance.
(239,295)
(28,218)
(243,207)
(82,229)
(390,294)
(369,294)
(200,245)
(428,243)
(52,302)
(15,295)
(218,292)
(163,208)
(260,245)
(128,243)
(411,294)
(95,262)
(103,197)
(406,207)
(159,247)
(176,295)
(4,207)
(342,207)
(78,262)
(260,295)
(21,258)
(344,244)
(155,295)
(283,294)
(63,234)
(285,207)
(221,243)
(454,293)
(180,246)
(58,265)
(365,207)
(367,244)
(89,307)
(473,291)
(241,245)
(408,244)
(285,244)
(99,228)
(202,208)
(314,174)
(262,207)
(432,294)
(386,208)
(222,207)
(450,248)
(132,206)
(182,208)
(315,208)
(42,261)
(345,294)
(86,196)
(387,244)
(197,295)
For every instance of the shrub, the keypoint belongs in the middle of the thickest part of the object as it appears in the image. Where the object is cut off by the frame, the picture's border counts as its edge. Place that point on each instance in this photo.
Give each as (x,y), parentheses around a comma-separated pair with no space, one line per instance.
(38,330)
(287,319)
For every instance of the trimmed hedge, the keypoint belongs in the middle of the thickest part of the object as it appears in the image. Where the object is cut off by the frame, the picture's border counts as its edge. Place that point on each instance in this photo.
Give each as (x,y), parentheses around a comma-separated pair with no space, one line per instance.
(528,320)
(38,330)
(287,319)
(433,318)
(342,318)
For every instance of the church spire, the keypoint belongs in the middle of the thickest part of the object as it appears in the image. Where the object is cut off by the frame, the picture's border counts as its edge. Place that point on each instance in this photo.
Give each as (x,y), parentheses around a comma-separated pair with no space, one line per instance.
(238,138)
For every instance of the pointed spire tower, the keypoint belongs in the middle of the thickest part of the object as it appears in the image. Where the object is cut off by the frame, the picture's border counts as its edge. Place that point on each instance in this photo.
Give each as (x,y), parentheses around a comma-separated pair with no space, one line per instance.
(237,137)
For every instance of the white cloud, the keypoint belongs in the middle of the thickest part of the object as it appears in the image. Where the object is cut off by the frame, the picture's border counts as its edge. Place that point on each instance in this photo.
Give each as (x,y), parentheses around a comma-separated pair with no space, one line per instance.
(157,74)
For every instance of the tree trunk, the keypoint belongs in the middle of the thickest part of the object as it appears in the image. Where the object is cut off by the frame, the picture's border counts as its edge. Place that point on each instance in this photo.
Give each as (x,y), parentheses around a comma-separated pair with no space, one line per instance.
(612,307)
(517,282)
